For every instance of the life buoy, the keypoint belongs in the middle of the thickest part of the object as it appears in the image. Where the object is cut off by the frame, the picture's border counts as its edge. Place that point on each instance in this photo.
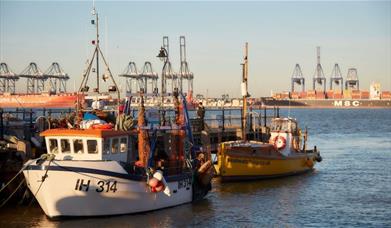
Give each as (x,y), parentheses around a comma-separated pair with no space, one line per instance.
(279,142)
(102,126)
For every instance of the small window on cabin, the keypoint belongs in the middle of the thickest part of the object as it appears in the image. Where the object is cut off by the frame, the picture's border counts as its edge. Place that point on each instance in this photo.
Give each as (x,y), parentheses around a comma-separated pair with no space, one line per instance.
(115,145)
(65,146)
(78,146)
(285,126)
(123,145)
(92,146)
(106,146)
(53,145)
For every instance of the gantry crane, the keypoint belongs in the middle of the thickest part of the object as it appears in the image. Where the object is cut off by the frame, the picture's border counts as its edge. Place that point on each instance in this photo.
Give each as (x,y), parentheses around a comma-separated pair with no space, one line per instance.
(7,79)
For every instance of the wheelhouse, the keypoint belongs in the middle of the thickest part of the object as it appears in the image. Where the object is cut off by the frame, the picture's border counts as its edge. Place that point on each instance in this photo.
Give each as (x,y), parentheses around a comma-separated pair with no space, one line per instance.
(90,144)
(286,125)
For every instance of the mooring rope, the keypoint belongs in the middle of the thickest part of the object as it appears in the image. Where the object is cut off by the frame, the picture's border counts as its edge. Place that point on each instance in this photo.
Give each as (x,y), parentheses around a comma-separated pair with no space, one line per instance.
(20,171)
(43,157)
(9,197)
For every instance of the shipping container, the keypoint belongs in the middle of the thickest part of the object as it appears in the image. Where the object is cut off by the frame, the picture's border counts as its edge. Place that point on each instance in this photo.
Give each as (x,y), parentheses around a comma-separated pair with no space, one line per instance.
(355,96)
(386,95)
(320,95)
(330,94)
(356,92)
(347,94)
(338,95)
(294,95)
(364,94)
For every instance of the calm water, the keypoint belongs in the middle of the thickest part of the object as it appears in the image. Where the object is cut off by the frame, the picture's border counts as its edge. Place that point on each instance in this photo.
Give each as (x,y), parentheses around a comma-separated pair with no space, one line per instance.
(351,187)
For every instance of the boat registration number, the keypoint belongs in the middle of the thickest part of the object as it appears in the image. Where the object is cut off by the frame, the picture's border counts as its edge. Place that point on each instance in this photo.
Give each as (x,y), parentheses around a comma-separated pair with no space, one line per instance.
(184,183)
(101,186)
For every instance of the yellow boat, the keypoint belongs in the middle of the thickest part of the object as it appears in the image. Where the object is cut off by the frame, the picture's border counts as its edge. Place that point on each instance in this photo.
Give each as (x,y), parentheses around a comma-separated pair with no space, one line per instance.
(285,153)
(281,156)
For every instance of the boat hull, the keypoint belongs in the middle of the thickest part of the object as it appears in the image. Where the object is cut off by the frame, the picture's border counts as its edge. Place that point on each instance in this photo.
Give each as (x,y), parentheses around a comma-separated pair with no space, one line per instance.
(327,103)
(98,188)
(66,100)
(243,165)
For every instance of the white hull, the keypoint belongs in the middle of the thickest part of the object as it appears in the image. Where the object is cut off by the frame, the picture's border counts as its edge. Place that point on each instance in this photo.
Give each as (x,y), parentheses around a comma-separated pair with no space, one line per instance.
(94,188)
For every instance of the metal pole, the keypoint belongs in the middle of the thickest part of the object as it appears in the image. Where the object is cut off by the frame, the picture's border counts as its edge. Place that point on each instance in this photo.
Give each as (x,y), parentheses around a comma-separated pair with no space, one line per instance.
(223,120)
(245,75)
(1,125)
(264,117)
(97,54)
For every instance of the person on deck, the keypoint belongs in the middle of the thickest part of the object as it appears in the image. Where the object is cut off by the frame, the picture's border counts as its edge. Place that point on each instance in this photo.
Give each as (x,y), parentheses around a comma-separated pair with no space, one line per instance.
(201,114)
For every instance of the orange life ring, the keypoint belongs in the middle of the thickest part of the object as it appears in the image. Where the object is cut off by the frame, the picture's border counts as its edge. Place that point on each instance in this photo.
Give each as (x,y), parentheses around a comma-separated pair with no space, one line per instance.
(102,126)
(279,142)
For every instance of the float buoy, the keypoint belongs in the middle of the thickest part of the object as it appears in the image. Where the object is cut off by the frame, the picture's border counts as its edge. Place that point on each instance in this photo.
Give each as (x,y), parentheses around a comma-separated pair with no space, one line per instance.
(318,158)
(156,183)
(279,142)
(153,182)
(159,187)
(309,163)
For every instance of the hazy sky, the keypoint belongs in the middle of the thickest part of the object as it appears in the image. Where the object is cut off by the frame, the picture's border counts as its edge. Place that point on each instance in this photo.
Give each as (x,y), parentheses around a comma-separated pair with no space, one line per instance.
(280,34)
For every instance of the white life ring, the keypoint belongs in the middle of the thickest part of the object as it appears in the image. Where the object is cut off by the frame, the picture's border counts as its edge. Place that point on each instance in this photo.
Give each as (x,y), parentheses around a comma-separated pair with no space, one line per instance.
(279,142)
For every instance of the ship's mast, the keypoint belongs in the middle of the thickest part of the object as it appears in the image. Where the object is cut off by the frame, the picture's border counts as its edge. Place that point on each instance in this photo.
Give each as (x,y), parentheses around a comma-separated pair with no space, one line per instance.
(96,47)
(83,86)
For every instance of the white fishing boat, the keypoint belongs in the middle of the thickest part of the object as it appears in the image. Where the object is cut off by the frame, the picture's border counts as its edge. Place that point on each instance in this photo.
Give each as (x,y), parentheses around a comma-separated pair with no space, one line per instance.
(93,172)
(93,169)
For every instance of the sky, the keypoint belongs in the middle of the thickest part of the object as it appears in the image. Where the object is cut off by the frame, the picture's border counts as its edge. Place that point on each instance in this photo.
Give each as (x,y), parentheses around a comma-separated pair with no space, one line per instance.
(280,34)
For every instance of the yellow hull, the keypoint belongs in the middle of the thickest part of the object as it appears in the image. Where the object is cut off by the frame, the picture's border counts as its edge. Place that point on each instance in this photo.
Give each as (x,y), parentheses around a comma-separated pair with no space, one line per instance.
(239,165)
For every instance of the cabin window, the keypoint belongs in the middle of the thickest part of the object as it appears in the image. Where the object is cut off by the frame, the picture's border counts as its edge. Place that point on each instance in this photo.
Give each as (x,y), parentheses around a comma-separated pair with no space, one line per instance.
(53,145)
(124,145)
(78,146)
(115,145)
(106,146)
(65,146)
(92,146)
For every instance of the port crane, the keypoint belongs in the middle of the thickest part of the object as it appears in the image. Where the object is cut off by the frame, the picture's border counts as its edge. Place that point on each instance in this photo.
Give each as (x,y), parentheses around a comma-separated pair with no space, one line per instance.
(168,74)
(184,71)
(319,77)
(336,78)
(7,79)
(297,78)
(352,81)
(35,78)
(132,78)
(148,75)
(56,74)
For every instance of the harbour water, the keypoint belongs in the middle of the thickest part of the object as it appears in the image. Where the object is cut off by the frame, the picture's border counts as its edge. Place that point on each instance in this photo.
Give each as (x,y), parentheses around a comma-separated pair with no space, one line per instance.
(350,187)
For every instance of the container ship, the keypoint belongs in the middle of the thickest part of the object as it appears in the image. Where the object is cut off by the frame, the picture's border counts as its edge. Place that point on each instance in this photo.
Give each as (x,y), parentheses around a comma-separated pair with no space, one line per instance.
(330,99)
(44,89)
(43,100)
(339,95)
